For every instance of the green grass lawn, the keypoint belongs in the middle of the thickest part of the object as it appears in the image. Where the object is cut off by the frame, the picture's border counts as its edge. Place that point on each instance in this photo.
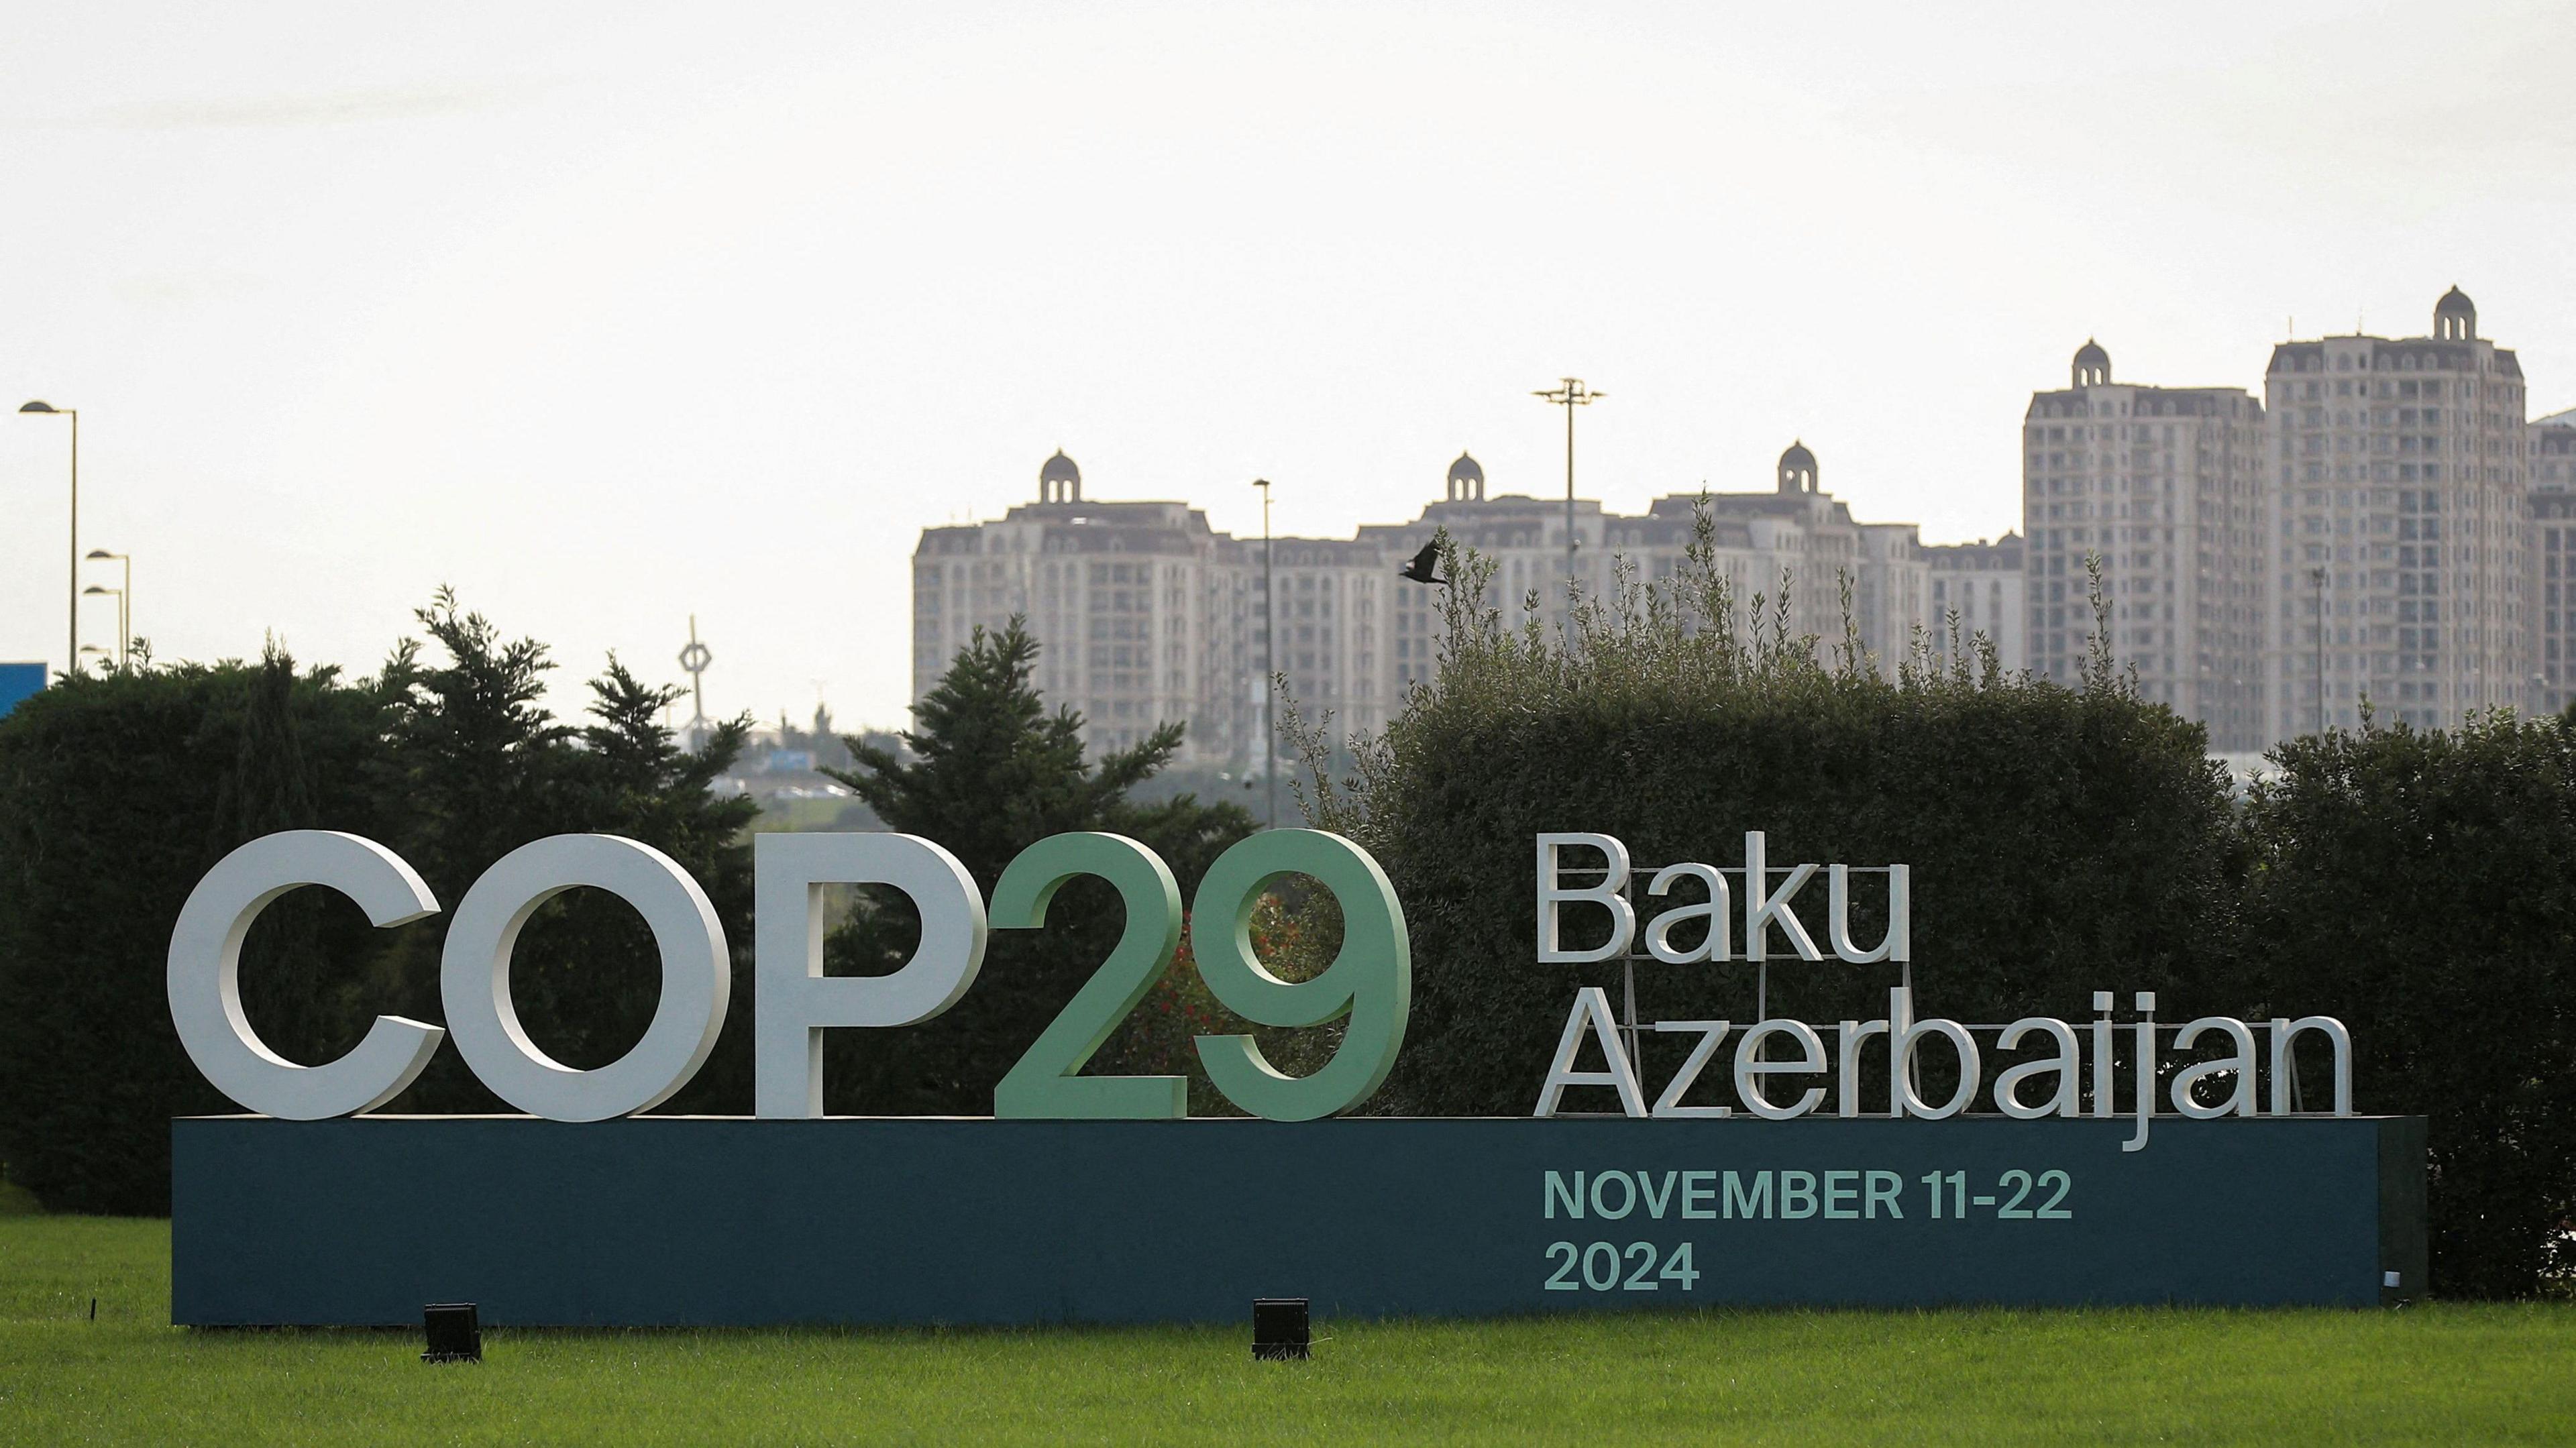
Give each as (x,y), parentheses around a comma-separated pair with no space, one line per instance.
(2439,1374)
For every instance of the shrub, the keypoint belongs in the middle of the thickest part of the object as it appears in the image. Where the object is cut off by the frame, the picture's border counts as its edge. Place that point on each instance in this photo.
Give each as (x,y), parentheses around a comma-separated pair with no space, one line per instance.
(2421,886)
(994,772)
(118,793)
(2061,840)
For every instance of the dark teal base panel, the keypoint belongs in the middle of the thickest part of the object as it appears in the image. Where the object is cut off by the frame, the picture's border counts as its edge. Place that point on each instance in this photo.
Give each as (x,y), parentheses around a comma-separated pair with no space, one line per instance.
(700,1220)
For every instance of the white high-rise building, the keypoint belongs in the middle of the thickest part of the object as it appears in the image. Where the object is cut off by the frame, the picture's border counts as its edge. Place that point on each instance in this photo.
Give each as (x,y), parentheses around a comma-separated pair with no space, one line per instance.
(2552,453)
(1144,614)
(2550,559)
(2164,486)
(1126,600)
(2399,527)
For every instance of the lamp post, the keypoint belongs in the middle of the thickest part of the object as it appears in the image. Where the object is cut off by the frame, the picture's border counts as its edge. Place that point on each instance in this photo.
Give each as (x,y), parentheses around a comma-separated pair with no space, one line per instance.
(124,600)
(119,595)
(71,649)
(1569,394)
(1269,671)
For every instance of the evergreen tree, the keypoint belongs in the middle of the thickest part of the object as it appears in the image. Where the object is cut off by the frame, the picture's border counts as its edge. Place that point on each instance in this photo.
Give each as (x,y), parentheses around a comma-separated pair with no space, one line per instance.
(994,773)
(630,777)
(298,739)
(469,745)
(476,767)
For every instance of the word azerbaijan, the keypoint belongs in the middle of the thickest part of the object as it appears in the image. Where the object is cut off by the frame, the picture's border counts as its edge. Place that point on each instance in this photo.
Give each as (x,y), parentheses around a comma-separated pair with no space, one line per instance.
(2059,1072)
(1368,983)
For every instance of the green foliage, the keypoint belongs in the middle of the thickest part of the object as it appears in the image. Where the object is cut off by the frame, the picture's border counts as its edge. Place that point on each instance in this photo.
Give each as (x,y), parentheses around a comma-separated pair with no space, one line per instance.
(483,769)
(993,773)
(2420,886)
(2417,885)
(1161,1038)
(118,792)
(2062,841)
(2414,884)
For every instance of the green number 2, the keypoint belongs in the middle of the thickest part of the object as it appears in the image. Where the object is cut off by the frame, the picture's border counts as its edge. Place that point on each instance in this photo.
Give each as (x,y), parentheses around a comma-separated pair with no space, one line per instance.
(1043,1084)
(1370,979)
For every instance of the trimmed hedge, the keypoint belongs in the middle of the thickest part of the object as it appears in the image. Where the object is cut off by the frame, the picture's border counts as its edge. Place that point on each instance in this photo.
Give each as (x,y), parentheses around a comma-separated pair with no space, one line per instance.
(2421,886)
(116,796)
(117,793)
(2061,841)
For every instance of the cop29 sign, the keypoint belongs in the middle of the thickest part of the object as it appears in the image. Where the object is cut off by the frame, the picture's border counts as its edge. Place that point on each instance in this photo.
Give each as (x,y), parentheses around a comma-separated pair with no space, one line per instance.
(1092,1197)
(1369,982)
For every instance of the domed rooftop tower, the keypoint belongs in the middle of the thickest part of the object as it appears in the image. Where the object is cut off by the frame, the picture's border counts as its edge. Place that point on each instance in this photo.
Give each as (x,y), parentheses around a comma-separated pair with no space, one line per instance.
(1466,480)
(1059,481)
(1797,469)
(2455,317)
(2092,364)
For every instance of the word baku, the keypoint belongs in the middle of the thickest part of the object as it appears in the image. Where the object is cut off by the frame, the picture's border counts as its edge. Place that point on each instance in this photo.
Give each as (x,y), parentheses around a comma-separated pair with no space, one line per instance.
(1767,905)
(1368,985)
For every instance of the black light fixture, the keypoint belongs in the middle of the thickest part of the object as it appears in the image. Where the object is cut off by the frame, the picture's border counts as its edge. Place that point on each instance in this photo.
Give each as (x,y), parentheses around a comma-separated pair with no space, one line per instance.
(1279,1331)
(454,1332)
(1425,567)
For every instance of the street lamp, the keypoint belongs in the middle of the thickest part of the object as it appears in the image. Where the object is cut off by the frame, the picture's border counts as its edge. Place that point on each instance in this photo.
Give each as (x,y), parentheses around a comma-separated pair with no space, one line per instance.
(1269,657)
(1569,394)
(124,600)
(71,650)
(119,595)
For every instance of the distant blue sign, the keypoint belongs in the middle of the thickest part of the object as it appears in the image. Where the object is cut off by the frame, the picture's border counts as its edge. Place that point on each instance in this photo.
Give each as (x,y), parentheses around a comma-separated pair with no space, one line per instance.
(17,681)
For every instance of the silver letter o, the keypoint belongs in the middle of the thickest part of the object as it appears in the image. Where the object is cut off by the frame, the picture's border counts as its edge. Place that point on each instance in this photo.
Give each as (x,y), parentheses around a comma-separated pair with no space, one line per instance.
(474,977)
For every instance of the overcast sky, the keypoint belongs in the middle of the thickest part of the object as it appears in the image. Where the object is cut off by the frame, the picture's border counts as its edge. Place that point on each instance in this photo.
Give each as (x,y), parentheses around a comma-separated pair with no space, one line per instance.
(613,315)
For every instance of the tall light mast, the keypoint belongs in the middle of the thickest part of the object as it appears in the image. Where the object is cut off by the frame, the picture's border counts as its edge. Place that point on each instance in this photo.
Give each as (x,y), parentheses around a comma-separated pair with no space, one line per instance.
(1570,393)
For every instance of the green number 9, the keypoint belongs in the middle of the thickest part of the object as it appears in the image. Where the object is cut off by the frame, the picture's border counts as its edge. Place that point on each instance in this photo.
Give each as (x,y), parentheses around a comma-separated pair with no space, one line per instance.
(1370,979)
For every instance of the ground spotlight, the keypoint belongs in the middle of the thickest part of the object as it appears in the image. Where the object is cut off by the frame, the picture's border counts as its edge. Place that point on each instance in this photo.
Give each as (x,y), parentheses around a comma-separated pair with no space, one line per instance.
(455,1332)
(1279,1331)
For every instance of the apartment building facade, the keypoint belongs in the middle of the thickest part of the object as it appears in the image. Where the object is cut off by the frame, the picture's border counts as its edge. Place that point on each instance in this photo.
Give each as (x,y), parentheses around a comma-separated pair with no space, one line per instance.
(1976,592)
(2160,488)
(1144,613)
(2401,568)
(1122,596)
(2550,455)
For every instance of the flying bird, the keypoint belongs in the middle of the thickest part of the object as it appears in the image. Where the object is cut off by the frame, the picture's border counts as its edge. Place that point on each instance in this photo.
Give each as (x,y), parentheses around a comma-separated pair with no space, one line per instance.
(1425,567)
